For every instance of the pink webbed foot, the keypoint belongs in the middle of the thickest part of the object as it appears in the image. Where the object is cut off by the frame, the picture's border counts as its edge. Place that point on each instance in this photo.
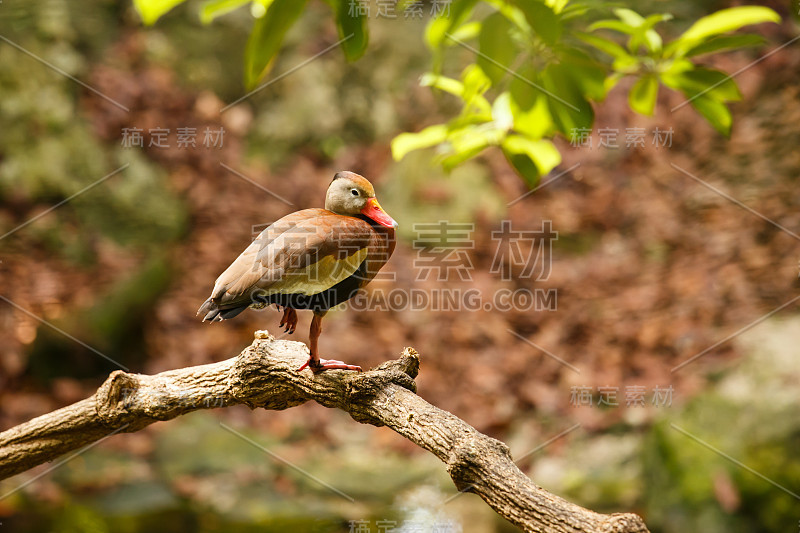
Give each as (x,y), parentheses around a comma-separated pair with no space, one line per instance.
(327,364)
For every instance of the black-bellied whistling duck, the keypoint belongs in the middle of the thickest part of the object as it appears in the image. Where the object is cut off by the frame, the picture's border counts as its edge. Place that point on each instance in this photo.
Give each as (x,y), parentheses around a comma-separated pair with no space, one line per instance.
(310,259)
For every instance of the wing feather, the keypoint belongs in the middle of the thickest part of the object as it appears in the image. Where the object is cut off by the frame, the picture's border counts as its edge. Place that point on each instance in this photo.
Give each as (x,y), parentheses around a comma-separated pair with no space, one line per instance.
(306,252)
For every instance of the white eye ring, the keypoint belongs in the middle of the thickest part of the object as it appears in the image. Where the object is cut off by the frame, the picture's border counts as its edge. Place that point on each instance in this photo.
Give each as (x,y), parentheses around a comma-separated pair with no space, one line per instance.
(354,192)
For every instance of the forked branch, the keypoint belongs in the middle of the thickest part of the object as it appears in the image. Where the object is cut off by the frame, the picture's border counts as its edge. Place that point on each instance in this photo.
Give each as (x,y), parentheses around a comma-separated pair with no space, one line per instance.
(264,375)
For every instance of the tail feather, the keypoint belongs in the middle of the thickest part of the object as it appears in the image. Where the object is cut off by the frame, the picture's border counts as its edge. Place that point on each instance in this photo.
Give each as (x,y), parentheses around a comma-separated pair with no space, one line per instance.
(225,314)
(212,312)
(208,308)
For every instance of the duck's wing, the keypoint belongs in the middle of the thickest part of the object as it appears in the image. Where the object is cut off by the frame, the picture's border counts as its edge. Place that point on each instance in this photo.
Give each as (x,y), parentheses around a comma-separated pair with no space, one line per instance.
(306,252)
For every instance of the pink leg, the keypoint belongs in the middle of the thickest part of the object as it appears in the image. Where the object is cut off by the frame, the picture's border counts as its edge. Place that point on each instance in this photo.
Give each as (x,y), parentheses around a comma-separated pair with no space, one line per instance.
(314,362)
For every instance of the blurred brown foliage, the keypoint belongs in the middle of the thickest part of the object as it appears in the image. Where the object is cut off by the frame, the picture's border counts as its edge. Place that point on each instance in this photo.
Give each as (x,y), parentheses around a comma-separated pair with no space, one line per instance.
(651,267)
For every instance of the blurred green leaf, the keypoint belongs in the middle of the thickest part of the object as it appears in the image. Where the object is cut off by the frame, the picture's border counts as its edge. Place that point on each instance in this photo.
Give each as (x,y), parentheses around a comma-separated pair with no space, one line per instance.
(496,47)
(714,112)
(435,33)
(470,91)
(626,65)
(530,158)
(503,112)
(611,81)
(712,83)
(650,38)
(639,28)
(467,142)
(629,17)
(475,80)
(652,20)
(574,11)
(152,10)
(467,31)
(523,87)
(475,84)
(587,73)
(722,21)
(542,18)
(611,24)
(725,42)
(727,20)
(643,94)
(352,27)
(721,85)
(442,83)
(604,45)
(529,105)
(266,38)
(512,13)
(569,108)
(216,8)
(558,5)
(408,142)
(675,66)
(646,35)
(535,122)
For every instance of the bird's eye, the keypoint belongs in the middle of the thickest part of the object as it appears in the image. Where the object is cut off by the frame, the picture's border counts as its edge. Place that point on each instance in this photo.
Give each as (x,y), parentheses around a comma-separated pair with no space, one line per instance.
(354,192)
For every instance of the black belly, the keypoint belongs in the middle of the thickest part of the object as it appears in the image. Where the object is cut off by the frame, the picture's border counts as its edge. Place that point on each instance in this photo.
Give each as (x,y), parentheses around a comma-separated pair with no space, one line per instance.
(322,301)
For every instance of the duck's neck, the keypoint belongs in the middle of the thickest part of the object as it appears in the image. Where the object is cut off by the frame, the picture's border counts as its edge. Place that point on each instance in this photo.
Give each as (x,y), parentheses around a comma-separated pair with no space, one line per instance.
(369,221)
(379,228)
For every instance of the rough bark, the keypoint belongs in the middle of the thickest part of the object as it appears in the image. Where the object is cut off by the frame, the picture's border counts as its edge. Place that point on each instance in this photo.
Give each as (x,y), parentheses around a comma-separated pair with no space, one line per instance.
(264,375)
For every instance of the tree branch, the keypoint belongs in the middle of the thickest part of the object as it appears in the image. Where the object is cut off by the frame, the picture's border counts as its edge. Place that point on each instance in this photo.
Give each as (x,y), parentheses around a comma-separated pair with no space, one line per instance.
(264,375)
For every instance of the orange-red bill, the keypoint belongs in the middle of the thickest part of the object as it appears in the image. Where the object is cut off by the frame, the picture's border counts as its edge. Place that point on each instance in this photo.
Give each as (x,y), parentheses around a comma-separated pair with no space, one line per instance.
(374,211)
